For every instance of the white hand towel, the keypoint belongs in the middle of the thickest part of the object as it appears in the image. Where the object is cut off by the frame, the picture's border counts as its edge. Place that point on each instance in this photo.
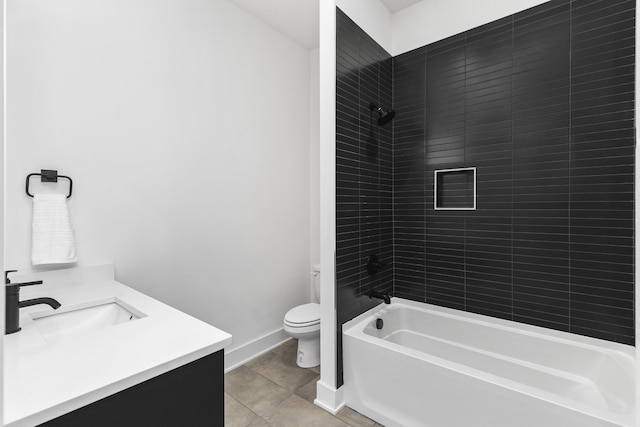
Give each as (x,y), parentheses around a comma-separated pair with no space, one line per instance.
(52,239)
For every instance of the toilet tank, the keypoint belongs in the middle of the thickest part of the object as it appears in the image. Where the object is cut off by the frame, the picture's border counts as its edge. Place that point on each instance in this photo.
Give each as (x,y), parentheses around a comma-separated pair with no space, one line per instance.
(315,272)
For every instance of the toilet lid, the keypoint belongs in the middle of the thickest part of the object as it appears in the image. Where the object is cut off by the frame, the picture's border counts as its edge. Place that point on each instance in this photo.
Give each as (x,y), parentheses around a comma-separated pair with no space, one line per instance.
(303,314)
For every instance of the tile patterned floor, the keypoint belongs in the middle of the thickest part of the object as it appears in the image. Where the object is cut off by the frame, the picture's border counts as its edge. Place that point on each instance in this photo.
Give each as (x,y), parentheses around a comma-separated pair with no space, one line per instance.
(272,391)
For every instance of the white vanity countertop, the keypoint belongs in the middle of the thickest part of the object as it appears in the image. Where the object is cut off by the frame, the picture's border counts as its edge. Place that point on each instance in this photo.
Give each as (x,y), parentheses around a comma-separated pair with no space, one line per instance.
(43,380)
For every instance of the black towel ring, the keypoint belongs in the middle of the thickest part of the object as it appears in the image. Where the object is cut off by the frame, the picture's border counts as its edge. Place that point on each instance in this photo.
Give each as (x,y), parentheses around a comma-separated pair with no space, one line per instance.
(47,175)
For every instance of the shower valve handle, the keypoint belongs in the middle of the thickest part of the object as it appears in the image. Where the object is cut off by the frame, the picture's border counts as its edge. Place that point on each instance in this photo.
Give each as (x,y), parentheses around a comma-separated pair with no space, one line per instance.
(374,264)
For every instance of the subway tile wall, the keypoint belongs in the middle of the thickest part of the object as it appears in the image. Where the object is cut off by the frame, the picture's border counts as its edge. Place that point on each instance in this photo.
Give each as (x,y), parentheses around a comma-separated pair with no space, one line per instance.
(602,148)
(364,213)
(542,104)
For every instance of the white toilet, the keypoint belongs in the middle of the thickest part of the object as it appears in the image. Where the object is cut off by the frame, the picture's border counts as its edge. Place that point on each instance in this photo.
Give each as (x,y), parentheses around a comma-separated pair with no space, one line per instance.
(303,323)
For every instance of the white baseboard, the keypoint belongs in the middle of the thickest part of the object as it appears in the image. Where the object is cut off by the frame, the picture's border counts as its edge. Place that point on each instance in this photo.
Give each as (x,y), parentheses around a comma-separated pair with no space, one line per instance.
(328,398)
(246,352)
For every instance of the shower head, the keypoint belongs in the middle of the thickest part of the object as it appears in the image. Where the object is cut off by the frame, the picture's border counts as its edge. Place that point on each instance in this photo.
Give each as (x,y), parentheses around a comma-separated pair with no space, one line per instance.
(384,116)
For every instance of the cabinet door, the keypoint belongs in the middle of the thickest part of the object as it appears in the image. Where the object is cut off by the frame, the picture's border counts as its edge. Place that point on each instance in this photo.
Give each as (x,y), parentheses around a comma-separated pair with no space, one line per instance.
(191,395)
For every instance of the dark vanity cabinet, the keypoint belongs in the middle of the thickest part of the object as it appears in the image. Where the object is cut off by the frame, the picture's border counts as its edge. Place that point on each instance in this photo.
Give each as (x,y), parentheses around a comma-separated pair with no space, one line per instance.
(190,395)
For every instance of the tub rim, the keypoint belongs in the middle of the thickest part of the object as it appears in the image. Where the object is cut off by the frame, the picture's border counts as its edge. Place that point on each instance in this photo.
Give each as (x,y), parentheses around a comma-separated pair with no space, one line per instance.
(627,351)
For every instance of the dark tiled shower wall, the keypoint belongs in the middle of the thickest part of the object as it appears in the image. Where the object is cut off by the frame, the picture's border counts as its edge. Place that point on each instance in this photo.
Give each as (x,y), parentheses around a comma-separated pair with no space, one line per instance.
(542,103)
(363,172)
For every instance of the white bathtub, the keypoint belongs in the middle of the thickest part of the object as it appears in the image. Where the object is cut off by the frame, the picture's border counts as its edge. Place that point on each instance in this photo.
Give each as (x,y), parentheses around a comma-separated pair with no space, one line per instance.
(437,367)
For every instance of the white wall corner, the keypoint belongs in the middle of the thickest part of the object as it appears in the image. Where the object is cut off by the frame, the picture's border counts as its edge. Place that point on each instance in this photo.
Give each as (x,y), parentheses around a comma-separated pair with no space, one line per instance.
(314,159)
(329,398)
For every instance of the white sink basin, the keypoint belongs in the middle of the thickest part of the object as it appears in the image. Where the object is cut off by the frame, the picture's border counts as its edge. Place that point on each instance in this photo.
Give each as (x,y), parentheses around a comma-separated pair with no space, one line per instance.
(72,321)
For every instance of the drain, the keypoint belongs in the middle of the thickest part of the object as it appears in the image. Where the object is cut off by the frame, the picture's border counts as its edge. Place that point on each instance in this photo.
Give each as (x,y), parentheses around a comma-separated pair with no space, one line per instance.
(379,323)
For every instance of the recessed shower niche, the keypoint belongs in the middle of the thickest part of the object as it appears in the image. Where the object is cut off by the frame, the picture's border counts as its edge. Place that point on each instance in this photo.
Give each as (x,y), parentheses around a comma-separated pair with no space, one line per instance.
(455,189)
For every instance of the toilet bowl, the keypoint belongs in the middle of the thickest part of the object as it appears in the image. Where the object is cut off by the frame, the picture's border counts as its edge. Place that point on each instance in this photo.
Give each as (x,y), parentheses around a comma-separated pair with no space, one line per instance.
(303,323)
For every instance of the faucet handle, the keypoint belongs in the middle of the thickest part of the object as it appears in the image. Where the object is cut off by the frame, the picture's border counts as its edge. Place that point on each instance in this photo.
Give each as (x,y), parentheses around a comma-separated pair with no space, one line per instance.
(37,282)
(6,276)
(7,281)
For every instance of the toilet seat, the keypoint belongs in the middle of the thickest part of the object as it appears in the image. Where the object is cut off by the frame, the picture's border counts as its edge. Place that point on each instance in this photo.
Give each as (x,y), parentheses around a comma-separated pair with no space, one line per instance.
(303,316)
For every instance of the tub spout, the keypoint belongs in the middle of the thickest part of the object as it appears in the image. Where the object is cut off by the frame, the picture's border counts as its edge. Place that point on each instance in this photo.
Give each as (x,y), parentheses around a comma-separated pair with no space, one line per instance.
(382,295)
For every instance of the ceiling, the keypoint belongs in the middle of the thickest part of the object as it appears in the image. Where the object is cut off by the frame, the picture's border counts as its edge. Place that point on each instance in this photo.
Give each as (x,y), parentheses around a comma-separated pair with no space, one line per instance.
(397,5)
(298,19)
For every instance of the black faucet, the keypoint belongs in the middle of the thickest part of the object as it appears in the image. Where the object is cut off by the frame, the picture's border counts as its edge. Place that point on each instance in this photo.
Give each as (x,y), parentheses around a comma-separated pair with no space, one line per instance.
(13,304)
(382,295)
